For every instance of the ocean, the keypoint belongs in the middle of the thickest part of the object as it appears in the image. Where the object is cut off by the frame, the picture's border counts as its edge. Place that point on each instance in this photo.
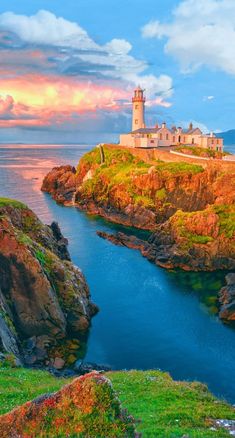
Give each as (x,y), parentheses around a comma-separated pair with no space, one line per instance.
(149,317)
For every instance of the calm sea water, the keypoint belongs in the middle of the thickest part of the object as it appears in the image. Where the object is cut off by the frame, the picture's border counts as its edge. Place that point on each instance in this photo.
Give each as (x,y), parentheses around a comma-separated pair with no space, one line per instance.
(149,317)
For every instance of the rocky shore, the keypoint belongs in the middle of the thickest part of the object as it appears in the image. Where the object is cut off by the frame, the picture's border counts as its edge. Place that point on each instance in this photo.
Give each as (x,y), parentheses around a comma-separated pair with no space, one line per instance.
(45,303)
(227,299)
(190,209)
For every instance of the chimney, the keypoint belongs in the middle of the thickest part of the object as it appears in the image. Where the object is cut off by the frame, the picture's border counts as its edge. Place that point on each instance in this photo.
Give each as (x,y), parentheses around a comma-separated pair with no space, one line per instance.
(163,125)
(190,126)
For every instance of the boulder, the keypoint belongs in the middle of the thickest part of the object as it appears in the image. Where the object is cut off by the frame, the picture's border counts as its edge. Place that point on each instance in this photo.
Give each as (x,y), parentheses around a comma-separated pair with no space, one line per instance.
(88,407)
(227,299)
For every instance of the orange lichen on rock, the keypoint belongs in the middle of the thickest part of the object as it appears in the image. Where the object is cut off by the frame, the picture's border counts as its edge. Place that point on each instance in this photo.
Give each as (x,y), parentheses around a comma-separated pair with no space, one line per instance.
(88,405)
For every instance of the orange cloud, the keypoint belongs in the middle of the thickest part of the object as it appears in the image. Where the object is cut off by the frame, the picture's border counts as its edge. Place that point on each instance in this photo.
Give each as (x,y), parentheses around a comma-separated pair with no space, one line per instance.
(38,100)
(55,92)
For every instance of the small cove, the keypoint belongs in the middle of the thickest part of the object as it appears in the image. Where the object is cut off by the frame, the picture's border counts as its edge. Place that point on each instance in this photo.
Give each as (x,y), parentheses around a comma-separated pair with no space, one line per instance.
(149,317)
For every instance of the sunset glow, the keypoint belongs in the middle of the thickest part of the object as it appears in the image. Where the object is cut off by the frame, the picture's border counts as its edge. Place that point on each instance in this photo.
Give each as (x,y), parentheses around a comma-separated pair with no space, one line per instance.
(36,99)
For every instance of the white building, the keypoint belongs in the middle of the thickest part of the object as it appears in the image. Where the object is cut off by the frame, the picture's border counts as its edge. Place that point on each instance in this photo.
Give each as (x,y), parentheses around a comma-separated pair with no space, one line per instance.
(162,136)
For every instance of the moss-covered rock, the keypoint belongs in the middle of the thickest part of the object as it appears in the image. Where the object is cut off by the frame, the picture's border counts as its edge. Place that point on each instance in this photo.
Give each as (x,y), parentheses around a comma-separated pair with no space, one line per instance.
(86,407)
(44,298)
(162,406)
(189,207)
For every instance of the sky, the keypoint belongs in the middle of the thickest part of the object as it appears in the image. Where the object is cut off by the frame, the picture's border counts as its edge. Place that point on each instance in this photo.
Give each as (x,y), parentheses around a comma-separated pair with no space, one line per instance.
(68,68)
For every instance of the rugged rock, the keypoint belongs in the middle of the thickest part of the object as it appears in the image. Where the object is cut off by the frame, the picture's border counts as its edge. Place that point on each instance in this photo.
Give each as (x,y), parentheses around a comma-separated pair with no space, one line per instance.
(227,299)
(88,407)
(140,193)
(44,298)
(64,185)
(190,241)
(87,367)
(190,208)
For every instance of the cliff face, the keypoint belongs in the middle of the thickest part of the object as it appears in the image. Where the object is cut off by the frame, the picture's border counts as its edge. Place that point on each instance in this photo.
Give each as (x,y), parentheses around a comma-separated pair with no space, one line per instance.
(44,298)
(189,207)
(203,240)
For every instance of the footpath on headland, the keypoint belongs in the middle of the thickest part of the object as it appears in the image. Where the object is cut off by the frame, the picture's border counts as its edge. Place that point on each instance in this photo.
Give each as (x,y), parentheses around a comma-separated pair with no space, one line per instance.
(168,155)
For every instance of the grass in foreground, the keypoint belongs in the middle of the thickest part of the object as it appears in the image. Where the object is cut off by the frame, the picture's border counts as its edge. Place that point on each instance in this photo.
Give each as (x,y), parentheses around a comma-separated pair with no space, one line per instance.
(165,408)
(18,385)
(5,202)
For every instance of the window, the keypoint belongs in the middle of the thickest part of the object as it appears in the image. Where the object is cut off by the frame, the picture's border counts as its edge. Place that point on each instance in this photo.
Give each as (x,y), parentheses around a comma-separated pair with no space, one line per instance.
(136,121)
(173,138)
(217,141)
(192,140)
(167,136)
(212,141)
(136,106)
(151,141)
(160,136)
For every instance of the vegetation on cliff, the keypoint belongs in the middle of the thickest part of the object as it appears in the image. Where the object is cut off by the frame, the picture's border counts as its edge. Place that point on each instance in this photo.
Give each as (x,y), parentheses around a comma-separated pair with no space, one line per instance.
(44,298)
(161,406)
(179,201)
(200,152)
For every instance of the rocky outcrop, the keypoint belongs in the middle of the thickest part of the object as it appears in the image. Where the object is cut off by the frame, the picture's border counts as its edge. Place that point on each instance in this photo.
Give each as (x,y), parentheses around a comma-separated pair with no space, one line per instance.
(86,407)
(199,241)
(138,193)
(190,208)
(44,298)
(227,299)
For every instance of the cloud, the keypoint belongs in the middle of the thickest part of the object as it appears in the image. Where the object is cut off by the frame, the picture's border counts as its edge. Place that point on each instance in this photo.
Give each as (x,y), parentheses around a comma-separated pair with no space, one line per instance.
(55,77)
(45,28)
(206,98)
(201,33)
(65,48)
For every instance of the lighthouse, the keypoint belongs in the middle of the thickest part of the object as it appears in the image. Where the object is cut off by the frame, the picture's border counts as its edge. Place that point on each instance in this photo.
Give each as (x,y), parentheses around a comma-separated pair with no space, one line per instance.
(138,102)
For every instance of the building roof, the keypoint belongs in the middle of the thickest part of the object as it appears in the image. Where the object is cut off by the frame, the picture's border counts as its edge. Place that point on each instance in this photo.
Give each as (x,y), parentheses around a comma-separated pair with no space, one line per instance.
(146,131)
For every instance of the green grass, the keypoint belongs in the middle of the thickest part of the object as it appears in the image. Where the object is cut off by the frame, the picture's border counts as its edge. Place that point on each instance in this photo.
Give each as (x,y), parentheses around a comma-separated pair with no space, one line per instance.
(165,408)
(175,168)
(18,385)
(226,215)
(161,194)
(5,202)
(119,172)
(200,152)
(144,201)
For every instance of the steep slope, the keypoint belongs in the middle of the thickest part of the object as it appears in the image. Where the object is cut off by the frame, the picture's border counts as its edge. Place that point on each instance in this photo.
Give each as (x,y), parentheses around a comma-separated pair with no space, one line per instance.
(188,206)
(44,298)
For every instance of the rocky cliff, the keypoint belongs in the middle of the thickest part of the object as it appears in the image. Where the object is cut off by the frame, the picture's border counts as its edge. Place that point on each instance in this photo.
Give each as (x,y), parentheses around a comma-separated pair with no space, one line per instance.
(189,207)
(44,298)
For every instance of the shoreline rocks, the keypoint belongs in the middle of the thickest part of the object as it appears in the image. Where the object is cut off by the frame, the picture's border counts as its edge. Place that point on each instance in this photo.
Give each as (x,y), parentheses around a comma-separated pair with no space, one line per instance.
(189,209)
(44,298)
(227,299)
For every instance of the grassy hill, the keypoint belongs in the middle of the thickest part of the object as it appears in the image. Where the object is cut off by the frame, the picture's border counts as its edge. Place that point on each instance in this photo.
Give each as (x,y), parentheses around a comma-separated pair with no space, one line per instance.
(163,407)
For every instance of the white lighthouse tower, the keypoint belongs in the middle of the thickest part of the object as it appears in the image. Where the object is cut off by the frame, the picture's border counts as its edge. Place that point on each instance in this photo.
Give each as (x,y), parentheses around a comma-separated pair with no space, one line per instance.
(138,102)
